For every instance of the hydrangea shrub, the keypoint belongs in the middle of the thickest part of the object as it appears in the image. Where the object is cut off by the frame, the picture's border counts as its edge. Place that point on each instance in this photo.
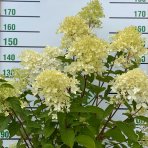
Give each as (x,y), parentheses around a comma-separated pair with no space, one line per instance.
(68,96)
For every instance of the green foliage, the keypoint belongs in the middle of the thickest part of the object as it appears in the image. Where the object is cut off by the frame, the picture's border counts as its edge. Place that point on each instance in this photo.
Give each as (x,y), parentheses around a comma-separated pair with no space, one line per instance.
(68,136)
(86,141)
(128,130)
(46,113)
(116,135)
(3,122)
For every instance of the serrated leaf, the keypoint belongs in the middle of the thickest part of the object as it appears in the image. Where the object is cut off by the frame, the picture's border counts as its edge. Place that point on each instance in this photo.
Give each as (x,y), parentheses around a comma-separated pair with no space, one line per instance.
(47,146)
(3,122)
(116,134)
(108,110)
(143,118)
(15,104)
(137,145)
(13,128)
(48,130)
(7,85)
(68,136)
(2,80)
(93,88)
(110,58)
(105,78)
(90,78)
(61,119)
(88,109)
(86,141)
(128,130)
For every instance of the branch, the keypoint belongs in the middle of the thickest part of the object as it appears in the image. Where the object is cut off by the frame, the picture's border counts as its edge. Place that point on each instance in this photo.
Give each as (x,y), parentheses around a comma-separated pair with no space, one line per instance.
(101,134)
(23,128)
(83,92)
(20,132)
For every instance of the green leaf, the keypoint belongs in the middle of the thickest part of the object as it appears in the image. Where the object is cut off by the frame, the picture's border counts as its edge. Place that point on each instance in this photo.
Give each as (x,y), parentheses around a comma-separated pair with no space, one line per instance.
(123,146)
(98,144)
(1,143)
(143,118)
(68,136)
(108,110)
(15,104)
(2,80)
(61,119)
(64,60)
(93,88)
(137,145)
(105,78)
(88,109)
(107,91)
(90,78)
(3,122)
(116,134)
(13,128)
(7,85)
(48,130)
(110,58)
(118,72)
(32,124)
(47,146)
(86,141)
(128,130)
(128,106)
(134,104)
(22,146)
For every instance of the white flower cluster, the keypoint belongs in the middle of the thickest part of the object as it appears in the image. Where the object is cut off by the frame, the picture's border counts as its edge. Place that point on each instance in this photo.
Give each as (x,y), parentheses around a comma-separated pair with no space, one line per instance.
(90,52)
(92,13)
(130,86)
(36,62)
(130,44)
(72,27)
(55,87)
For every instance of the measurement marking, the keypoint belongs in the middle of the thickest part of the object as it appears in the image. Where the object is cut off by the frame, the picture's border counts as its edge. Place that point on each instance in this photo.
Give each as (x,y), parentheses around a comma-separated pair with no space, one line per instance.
(31,107)
(19,16)
(21,31)
(10,61)
(20,1)
(10,139)
(123,108)
(23,46)
(117,32)
(112,93)
(128,17)
(20,61)
(128,2)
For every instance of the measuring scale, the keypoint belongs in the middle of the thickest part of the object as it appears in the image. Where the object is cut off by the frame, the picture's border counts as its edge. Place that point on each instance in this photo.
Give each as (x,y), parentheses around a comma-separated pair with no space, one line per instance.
(33,24)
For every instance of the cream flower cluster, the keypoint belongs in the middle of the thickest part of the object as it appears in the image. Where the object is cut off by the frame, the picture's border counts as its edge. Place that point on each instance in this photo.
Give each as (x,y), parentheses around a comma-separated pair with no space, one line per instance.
(90,52)
(130,43)
(92,13)
(20,80)
(73,27)
(130,86)
(144,129)
(144,141)
(5,92)
(53,86)
(12,88)
(30,60)
(36,62)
